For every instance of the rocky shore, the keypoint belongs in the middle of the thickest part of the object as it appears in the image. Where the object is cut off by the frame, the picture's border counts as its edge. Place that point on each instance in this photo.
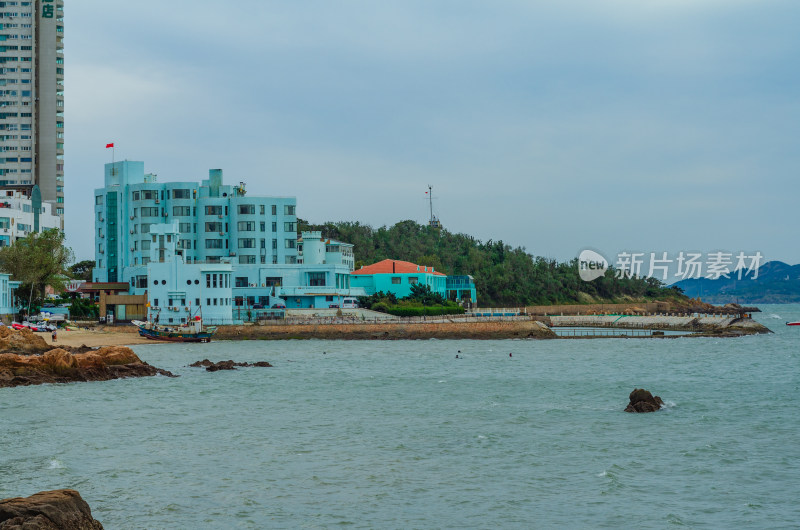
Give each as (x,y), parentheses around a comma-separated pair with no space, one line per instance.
(28,360)
(48,510)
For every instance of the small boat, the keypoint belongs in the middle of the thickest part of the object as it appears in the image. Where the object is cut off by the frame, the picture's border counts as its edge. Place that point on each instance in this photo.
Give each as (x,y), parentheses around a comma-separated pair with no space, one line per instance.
(793,323)
(192,331)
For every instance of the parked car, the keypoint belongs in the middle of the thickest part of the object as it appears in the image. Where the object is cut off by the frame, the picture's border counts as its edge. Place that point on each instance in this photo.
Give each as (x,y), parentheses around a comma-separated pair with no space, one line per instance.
(258,306)
(333,306)
(278,306)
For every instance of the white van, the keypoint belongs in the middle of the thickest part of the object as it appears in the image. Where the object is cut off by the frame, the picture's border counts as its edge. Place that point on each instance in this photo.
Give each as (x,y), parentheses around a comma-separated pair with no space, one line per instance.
(349,303)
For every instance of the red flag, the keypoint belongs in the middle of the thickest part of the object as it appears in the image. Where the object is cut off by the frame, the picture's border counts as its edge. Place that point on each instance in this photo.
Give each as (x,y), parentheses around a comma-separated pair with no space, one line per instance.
(109,145)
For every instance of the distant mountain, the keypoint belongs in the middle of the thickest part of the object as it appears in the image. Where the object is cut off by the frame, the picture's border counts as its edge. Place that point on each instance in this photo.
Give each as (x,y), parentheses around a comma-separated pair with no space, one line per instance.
(776,283)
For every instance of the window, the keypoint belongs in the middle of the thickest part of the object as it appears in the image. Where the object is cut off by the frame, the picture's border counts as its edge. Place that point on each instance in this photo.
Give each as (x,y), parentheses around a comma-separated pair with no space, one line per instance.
(180,194)
(247,260)
(246,226)
(185,228)
(149,195)
(263,226)
(396,280)
(214,281)
(146,228)
(213,227)
(291,243)
(262,209)
(413,280)
(290,260)
(275,281)
(247,243)
(181,210)
(145,244)
(274,226)
(241,281)
(98,200)
(316,279)
(185,244)
(274,244)
(288,209)
(247,209)
(150,212)
(213,243)
(213,210)
(290,227)
(274,209)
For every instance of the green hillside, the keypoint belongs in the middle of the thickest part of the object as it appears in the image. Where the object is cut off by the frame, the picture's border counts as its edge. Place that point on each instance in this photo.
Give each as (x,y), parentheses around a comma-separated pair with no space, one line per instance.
(504,276)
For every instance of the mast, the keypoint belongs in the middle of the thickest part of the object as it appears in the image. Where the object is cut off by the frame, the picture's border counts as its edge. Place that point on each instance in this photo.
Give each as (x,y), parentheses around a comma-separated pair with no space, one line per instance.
(433,222)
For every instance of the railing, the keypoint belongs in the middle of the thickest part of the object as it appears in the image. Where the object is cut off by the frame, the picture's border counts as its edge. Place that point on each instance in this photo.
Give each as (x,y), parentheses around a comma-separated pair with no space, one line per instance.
(573,332)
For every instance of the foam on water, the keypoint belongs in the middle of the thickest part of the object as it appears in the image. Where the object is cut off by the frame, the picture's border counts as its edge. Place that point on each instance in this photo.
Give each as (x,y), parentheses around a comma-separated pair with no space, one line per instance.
(55,464)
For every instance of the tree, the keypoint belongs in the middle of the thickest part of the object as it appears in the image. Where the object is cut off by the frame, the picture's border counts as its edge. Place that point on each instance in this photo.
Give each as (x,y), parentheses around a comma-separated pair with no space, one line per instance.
(82,270)
(38,260)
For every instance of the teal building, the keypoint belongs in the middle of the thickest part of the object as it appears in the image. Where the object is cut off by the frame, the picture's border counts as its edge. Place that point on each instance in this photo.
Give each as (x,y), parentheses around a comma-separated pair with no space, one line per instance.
(395,276)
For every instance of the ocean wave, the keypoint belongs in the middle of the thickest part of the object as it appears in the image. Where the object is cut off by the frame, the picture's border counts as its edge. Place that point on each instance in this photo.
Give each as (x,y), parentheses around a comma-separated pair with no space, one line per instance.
(56,464)
(775,315)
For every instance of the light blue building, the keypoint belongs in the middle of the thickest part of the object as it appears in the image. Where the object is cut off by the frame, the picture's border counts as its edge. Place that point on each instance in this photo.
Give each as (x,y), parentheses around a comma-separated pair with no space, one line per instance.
(216,223)
(7,296)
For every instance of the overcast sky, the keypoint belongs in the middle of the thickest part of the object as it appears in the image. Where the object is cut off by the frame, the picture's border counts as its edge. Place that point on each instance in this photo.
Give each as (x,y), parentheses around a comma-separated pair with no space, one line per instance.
(646,125)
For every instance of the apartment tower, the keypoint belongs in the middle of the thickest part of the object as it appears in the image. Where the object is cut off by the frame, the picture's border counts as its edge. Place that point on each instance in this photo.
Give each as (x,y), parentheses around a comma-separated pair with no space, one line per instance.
(32,99)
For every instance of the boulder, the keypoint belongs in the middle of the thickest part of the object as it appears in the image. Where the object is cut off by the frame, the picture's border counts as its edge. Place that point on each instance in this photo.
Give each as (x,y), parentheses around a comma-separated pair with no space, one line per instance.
(48,510)
(643,401)
(21,341)
(60,366)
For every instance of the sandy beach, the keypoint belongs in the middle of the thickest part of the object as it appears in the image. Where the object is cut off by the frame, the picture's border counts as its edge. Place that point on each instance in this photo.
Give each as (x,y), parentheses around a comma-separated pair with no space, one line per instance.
(96,338)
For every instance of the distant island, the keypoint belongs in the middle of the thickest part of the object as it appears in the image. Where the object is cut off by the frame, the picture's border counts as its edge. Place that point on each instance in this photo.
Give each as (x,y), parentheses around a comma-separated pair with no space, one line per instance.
(775,283)
(504,276)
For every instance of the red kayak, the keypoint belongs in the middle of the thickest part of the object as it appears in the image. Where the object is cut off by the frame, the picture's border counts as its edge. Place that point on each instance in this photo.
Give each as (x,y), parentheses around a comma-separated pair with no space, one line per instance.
(793,323)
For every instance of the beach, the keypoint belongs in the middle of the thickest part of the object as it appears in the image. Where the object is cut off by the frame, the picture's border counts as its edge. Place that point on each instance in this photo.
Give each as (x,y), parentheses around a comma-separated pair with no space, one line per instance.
(96,338)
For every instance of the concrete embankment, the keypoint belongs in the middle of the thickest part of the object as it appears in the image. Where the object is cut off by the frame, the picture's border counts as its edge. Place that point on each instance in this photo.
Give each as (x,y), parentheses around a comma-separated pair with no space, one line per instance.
(714,325)
(394,330)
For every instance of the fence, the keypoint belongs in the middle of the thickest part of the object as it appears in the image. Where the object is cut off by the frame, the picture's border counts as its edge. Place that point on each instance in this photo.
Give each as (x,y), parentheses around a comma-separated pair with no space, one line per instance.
(573,332)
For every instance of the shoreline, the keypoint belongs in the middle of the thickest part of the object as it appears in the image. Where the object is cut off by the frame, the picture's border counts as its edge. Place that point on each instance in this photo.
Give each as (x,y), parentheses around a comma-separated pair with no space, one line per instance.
(126,335)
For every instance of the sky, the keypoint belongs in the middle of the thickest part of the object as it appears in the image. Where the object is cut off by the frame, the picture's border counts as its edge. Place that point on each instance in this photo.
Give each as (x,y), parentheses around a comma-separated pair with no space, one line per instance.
(617,125)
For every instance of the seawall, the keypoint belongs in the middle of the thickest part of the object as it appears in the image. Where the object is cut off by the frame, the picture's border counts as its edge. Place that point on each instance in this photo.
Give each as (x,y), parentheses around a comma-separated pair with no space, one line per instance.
(726,325)
(514,329)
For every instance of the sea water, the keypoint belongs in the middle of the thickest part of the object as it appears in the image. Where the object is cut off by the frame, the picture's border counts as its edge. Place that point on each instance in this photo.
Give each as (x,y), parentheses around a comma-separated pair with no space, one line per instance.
(402,434)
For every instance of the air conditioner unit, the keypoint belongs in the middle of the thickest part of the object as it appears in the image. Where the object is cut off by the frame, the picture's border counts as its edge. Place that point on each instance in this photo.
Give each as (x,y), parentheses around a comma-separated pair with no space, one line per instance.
(220,216)
(133,217)
(222,233)
(133,232)
(164,214)
(231,253)
(157,201)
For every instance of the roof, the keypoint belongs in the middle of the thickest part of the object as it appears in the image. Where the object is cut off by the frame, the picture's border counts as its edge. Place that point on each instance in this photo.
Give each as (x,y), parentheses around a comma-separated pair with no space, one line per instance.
(393,266)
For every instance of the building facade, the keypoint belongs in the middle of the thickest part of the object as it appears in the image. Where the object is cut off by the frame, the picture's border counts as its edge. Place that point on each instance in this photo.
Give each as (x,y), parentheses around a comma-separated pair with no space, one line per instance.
(32,98)
(20,215)
(7,294)
(216,224)
(179,291)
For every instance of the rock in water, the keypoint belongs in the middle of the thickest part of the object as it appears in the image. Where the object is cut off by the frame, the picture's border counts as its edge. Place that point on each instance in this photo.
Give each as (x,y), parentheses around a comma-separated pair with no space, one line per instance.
(48,510)
(61,366)
(643,401)
(226,365)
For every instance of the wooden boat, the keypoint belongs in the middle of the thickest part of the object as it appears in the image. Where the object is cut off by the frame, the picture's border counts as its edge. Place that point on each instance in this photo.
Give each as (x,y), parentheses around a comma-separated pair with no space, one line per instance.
(192,331)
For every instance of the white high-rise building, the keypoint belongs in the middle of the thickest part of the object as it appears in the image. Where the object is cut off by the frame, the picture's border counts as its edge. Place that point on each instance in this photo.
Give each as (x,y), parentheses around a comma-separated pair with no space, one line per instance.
(32,98)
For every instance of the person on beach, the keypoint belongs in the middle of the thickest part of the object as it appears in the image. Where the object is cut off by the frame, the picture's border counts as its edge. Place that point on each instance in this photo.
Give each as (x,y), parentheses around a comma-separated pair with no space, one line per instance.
(55,335)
